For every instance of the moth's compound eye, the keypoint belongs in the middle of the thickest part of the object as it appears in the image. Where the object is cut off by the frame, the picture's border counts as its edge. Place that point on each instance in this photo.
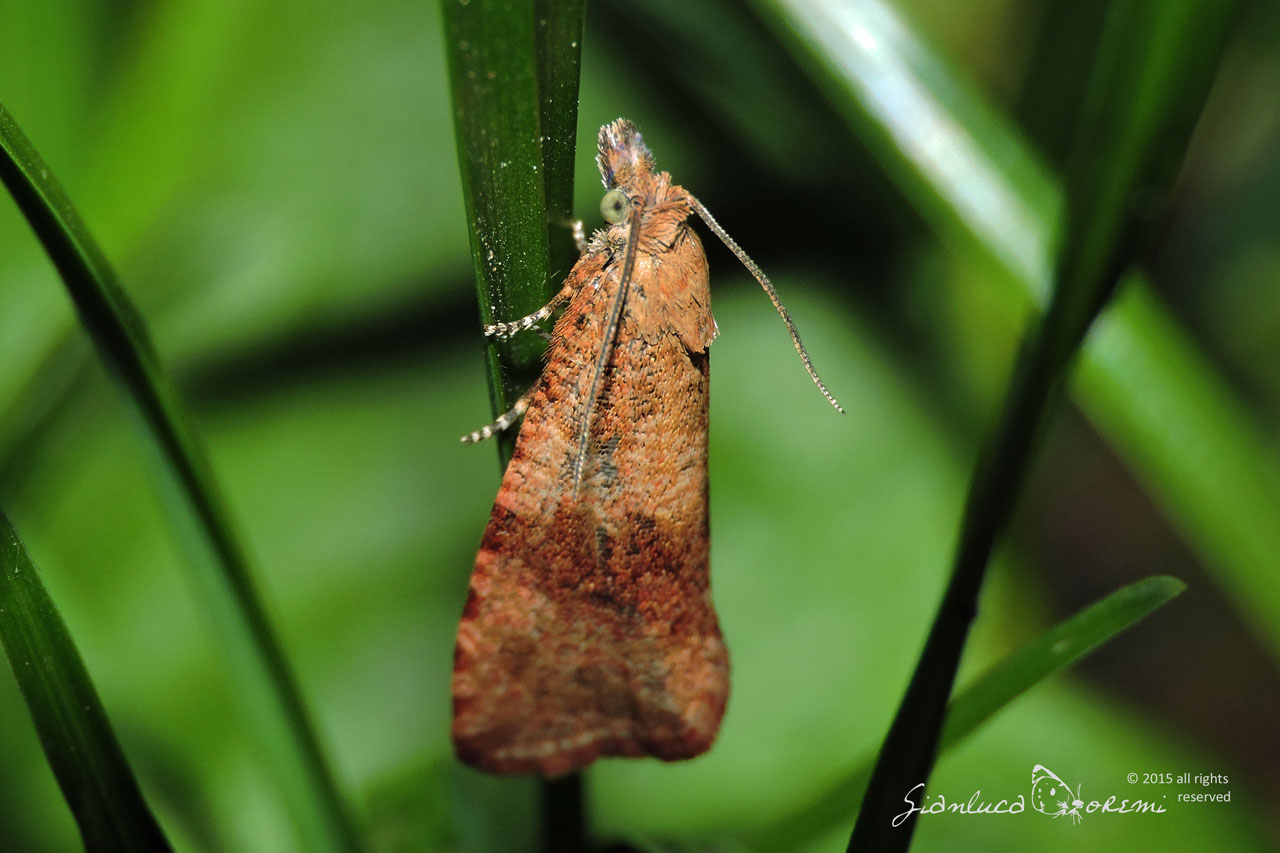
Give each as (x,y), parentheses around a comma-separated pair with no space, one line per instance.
(614,206)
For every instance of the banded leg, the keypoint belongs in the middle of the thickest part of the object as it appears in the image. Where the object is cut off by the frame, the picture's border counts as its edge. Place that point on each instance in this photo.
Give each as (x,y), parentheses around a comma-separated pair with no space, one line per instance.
(502,331)
(504,420)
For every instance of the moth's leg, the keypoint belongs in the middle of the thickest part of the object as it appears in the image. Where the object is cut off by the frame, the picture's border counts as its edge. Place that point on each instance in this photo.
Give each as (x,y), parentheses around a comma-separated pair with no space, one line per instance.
(502,331)
(504,420)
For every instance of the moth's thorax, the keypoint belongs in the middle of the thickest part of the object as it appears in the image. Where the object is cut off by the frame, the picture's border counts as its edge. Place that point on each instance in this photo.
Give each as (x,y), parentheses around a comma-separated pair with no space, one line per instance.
(665,207)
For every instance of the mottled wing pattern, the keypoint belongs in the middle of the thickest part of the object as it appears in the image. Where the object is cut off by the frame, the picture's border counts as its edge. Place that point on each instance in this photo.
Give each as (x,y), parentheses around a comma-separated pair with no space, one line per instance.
(589,629)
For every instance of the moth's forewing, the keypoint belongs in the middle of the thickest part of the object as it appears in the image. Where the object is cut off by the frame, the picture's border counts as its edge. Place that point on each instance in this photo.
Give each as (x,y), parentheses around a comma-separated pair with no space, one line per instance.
(589,629)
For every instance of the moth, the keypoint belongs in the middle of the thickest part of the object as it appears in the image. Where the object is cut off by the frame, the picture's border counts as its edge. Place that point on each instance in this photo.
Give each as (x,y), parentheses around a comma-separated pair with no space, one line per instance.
(588,628)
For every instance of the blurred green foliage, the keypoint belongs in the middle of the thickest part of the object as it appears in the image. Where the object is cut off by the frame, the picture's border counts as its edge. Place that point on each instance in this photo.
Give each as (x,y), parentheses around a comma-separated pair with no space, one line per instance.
(277,186)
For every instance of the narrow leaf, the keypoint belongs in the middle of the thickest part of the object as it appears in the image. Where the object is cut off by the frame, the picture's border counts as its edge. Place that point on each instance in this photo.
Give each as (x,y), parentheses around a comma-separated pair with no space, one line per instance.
(560,25)
(950,154)
(1207,463)
(493,70)
(1146,90)
(264,680)
(1053,651)
(516,147)
(77,739)
(969,172)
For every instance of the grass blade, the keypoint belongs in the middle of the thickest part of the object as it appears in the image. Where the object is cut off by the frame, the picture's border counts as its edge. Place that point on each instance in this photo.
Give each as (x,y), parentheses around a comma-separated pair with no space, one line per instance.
(560,25)
(956,160)
(1064,644)
(1056,649)
(1146,90)
(516,145)
(272,698)
(76,736)
(917,115)
(1209,466)
(497,107)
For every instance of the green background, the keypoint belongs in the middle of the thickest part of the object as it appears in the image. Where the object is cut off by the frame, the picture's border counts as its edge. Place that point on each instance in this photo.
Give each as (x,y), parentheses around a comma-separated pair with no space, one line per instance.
(276,184)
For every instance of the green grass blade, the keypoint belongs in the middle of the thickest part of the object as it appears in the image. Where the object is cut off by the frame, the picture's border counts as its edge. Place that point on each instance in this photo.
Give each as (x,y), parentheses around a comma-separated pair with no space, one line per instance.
(918,117)
(77,739)
(1148,85)
(497,106)
(958,162)
(516,147)
(271,696)
(1053,651)
(1056,649)
(560,25)
(1209,466)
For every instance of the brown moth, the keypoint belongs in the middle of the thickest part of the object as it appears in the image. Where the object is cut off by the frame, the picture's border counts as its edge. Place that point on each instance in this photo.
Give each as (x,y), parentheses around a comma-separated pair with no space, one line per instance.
(588,629)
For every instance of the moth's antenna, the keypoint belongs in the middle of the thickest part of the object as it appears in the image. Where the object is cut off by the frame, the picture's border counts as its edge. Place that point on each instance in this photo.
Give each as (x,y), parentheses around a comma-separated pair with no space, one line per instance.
(606,345)
(768,288)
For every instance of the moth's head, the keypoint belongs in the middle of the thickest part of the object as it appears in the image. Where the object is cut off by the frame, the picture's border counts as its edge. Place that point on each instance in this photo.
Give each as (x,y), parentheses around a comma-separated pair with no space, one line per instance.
(623,157)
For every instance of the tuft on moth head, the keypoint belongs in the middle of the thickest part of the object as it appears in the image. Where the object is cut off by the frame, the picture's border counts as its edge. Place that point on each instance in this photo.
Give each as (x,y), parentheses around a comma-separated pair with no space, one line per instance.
(623,157)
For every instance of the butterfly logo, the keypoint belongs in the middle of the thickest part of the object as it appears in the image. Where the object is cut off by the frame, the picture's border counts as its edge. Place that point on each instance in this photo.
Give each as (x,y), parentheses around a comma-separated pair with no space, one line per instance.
(1051,796)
